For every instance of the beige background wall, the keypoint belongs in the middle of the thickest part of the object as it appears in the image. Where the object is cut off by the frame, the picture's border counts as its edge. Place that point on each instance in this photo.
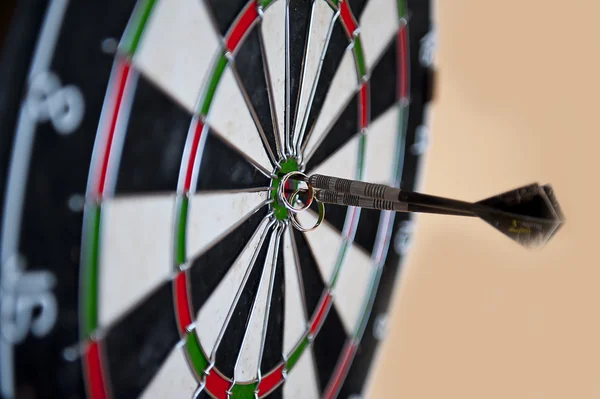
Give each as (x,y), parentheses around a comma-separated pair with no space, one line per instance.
(476,316)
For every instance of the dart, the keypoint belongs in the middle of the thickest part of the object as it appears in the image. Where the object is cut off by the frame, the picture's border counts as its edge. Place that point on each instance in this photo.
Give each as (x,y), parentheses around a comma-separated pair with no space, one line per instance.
(153,240)
(529,215)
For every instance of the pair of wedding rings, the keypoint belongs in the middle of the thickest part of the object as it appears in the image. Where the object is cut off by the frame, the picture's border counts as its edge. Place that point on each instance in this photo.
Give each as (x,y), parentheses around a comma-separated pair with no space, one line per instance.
(291,202)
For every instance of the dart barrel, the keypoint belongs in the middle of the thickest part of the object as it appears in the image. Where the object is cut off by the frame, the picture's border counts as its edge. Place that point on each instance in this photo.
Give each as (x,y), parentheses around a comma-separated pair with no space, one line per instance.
(355,188)
(337,198)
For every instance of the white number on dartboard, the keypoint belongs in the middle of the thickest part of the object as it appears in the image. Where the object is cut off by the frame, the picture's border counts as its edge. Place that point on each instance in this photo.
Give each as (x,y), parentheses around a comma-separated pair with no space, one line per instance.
(403,237)
(421,140)
(427,49)
(27,302)
(47,100)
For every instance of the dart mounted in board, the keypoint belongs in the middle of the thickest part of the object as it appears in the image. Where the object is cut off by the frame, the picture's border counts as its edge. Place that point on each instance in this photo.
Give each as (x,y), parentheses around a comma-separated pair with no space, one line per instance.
(529,215)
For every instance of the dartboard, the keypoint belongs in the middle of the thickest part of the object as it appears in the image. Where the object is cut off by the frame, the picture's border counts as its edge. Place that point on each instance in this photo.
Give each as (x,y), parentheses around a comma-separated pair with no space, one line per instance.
(145,252)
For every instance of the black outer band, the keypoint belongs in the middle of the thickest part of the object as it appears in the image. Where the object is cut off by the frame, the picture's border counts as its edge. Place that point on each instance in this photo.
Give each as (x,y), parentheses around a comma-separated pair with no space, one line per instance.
(17,53)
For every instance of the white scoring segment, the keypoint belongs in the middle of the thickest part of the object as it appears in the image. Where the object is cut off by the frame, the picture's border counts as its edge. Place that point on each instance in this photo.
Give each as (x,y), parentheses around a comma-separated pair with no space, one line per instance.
(214,312)
(273,35)
(231,118)
(301,382)
(320,25)
(343,86)
(295,324)
(177,49)
(382,147)
(343,163)
(213,215)
(324,242)
(173,380)
(135,250)
(378,24)
(352,286)
(247,364)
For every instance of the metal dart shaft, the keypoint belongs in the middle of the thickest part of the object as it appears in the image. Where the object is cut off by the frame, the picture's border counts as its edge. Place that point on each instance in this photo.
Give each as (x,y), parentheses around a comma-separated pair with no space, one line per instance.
(337,198)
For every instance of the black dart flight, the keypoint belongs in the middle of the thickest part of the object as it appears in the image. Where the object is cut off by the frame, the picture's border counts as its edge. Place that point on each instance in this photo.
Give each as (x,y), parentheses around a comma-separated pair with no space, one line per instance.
(529,215)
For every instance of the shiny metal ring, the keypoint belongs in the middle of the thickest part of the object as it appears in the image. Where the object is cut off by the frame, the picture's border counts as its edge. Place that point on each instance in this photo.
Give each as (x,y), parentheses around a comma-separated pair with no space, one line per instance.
(321,214)
(286,201)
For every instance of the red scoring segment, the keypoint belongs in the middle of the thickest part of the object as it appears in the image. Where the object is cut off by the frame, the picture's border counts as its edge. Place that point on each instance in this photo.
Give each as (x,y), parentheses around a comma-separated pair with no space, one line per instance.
(402,63)
(118,88)
(271,380)
(217,385)
(349,227)
(241,26)
(347,18)
(341,369)
(93,372)
(196,127)
(321,312)
(362,105)
(184,318)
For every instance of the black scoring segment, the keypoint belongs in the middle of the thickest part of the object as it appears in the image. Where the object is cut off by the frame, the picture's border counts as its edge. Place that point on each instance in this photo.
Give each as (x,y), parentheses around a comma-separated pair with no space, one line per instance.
(250,67)
(384,81)
(366,231)
(368,224)
(335,215)
(223,167)
(338,43)
(357,7)
(229,349)
(272,354)
(208,269)
(202,395)
(277,393)
(138,344)
(344,128)
(327,347)
(154,142)
(312,281)
(225,12)
(299,27)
